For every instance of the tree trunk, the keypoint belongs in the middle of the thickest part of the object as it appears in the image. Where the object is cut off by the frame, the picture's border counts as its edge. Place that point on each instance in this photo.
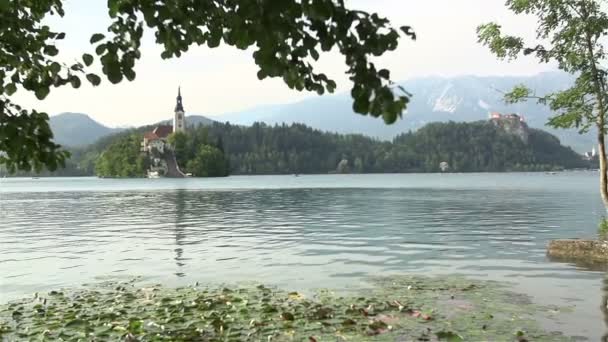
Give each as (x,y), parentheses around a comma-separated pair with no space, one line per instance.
(602,157)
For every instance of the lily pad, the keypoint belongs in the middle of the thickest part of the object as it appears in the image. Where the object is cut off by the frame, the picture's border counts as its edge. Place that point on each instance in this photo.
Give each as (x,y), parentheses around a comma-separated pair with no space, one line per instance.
(393,308)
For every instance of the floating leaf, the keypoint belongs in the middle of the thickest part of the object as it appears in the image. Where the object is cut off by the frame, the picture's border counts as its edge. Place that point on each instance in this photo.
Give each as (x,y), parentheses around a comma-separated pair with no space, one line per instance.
(449,336)
(287,316)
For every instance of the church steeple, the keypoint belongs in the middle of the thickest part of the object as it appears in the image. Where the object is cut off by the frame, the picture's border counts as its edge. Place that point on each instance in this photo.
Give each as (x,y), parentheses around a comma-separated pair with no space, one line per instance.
(179,120)
(179,106)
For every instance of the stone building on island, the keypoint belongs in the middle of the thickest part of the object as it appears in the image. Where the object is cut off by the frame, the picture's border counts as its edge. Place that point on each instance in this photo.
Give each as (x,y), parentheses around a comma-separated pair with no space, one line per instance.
(156,146)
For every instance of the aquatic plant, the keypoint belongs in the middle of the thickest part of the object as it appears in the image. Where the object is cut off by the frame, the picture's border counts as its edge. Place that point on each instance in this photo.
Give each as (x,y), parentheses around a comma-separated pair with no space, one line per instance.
(394,308)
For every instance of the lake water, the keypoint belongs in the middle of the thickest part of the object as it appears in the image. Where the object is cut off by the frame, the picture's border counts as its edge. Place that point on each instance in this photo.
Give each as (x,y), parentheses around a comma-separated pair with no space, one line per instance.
(307,232)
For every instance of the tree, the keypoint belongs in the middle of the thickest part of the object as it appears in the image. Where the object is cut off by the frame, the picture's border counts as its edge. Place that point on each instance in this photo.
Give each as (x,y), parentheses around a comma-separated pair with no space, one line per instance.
(122,158)
(358,165)
(568,33)
(179,143)
(287,36)
(208,162)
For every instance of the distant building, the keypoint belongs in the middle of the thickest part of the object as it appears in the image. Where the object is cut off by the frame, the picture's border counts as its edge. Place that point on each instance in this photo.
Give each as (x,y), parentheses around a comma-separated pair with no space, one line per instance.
(511,123)
(513,116)
(590,155)
(155,143)
(179,119)
(157,138)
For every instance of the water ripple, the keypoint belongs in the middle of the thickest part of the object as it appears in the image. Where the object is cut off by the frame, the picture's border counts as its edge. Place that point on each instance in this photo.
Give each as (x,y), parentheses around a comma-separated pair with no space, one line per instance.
(493,226)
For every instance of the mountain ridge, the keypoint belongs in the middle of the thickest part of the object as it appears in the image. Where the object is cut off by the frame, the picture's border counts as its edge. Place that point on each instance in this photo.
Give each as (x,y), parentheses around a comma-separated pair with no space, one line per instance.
(436,99)
(78,129)
(75,130)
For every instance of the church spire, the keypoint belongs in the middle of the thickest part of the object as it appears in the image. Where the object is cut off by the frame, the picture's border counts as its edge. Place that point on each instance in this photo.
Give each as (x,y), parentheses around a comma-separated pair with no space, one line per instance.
(179,119)
(179,106)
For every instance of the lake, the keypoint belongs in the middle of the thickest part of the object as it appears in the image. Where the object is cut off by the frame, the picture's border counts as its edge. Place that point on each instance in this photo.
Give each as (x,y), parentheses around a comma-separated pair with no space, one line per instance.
(304,233)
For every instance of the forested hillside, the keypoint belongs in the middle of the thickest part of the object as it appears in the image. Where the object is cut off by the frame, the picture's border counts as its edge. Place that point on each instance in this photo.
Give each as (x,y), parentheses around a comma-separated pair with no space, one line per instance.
(482,147)
(285,149)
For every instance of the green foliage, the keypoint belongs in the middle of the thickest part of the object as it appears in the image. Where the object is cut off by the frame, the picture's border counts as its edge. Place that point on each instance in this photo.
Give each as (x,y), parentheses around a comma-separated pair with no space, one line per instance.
(395,308)
(122,159)
(467,147)
(286,36)
(483,146)
(208,161)
(282,149)
(26,140)
(195,153)
(179,143)
(603,228)
(27,61)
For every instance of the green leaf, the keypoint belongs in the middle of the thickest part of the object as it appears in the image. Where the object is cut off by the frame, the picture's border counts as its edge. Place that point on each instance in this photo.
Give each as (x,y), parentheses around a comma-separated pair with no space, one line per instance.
(408,31)
(262,75)
(76,324)
(100,49)
(55,68)
(129,74)
(10,89)
(42,92)
(94,79)
(96,37)
(449,336)
(87,59)
(114,74)
(75,81)
(51,50)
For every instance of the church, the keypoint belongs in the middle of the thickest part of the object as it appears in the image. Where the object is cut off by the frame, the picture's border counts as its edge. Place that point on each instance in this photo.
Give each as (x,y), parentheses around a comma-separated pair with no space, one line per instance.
(156,146)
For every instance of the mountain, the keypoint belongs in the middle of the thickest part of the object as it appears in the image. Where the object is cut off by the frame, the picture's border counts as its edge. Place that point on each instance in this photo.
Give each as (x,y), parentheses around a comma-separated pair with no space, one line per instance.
(436,99)
(77,129)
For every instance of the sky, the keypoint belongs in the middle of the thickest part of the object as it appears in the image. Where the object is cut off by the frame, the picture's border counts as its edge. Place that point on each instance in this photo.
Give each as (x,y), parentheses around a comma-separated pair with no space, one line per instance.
(223,80)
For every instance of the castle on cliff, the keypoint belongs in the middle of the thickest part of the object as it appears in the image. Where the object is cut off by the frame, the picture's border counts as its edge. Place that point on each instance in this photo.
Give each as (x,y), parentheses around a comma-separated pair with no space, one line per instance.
(514,124)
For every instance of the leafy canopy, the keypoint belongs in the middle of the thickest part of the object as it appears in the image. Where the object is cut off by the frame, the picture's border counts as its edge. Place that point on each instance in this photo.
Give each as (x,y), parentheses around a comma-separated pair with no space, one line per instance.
(286,36)
(568,33)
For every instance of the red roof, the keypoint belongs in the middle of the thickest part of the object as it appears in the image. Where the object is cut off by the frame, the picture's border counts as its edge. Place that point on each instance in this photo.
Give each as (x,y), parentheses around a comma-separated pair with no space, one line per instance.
(163,131)
(150,136)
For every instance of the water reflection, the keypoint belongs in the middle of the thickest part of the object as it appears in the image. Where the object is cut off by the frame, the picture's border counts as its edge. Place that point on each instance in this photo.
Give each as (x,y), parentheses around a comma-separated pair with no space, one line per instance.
(180,212)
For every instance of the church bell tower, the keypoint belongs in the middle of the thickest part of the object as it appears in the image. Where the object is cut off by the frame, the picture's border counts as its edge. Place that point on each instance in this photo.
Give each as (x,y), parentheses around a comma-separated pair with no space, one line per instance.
(179,120)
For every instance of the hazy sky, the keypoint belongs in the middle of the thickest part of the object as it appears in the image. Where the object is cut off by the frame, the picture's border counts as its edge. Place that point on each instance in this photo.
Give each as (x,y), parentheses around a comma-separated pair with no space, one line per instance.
(216,81)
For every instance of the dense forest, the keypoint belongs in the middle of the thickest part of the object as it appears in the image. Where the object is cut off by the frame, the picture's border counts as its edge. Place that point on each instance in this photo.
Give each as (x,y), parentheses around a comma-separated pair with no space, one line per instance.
(287,149)
(466,147)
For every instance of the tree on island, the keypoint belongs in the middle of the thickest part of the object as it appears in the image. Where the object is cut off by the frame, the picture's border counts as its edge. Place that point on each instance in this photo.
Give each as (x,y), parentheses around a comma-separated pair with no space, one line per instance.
(287,36)
(569,33)
(196,155)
